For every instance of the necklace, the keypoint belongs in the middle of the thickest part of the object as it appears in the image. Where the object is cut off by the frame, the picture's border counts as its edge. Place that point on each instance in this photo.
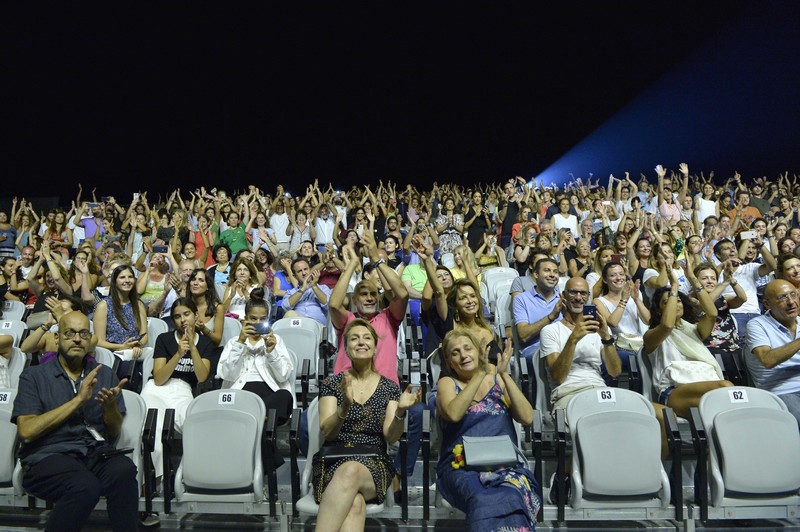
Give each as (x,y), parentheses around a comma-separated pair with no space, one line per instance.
(362,386)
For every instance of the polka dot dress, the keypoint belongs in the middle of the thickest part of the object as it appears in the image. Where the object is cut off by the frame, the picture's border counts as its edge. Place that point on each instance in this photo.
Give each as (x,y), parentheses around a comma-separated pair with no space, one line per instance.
(363,426)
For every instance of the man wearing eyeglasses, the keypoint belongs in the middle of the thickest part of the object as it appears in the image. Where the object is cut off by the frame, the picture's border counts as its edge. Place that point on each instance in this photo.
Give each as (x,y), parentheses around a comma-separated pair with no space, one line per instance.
(773,343)
(576,347)
(68,413)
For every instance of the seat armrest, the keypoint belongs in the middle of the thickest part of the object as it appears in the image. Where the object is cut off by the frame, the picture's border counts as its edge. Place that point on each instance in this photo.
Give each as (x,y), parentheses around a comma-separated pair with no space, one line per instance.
(268,438)
(305,377)
(674,444)
(294,449)
(634,375)
(405,375)
(700,442)
(536,432)
(426,472)
(167,438)
(404,466)
(148,444)
(561,454)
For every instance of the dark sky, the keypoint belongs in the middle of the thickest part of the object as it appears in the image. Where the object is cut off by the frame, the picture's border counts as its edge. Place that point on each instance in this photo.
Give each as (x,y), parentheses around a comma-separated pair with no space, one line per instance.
(159,96)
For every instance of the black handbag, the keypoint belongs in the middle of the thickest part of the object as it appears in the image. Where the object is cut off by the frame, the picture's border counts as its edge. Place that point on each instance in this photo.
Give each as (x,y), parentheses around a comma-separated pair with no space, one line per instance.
(331,453)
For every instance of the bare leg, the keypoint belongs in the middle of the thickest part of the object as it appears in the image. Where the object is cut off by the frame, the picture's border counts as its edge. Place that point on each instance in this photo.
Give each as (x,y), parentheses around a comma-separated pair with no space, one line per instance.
(686,396)
(354,522)
(351,481)
(660,417)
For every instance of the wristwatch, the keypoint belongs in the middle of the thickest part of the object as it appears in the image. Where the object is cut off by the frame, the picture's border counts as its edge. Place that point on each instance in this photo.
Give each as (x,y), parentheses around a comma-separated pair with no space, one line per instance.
(379,262)
(611,340)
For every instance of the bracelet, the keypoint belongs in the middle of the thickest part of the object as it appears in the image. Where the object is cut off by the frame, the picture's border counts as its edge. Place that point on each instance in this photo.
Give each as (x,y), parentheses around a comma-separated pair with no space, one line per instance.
(340,417)
(398,418)
(673,294)
(623,303)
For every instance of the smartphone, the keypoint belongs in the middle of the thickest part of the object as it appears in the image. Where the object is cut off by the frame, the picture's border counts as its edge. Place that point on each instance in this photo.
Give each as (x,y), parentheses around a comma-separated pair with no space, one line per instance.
(606,202)
(531,216)
(105,199)
(749,235)
(92,205)
(160,249)
(113,238)
(115,452)
(135,196)
(590,311)
(616,258)
(262,327)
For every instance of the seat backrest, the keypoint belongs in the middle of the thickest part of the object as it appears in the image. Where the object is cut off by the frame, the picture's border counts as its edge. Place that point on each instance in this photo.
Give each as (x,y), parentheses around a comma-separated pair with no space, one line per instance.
(605,400)
(132,426)
(16,365)
(15,329)
(620,451)
(314,442)
(494,276)
(13,310)
(155,327)
(300,335)
(104,356)
(8,436)
(222,440)
(503,312)
(230,329)
(751,435)
(220,289)
(448,260)
(645,363)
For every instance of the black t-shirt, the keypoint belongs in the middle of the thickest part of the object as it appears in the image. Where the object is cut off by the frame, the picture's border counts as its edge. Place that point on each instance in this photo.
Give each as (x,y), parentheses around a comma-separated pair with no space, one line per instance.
(511,216)
(167,345)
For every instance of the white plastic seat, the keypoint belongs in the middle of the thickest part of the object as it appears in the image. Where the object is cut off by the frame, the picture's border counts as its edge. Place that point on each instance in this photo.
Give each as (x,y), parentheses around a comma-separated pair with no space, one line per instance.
(131,432)
(220,289)
(306,503)
(14,328)
(503,315)
(13,310)
(104,356)
(231,328)
(753,444)
(494,276)
(616,459)
(448,260)
(222,448)
(9,485)
(155,327)
(302,337)
(16,365)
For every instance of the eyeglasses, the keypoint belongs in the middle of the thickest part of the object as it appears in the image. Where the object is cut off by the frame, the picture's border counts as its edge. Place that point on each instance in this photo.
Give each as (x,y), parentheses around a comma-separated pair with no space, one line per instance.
(787,296)
(576,293)
(85,334)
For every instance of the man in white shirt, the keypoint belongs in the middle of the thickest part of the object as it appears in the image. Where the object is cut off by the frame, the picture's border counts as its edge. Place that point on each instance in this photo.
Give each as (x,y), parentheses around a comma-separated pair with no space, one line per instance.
(279,221)
(324,225)
(747,276)
(576,347)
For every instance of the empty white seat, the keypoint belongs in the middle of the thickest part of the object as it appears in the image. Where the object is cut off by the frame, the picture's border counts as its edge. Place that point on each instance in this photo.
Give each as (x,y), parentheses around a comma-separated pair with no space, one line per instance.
(13,310)
(222,448)
(753,444)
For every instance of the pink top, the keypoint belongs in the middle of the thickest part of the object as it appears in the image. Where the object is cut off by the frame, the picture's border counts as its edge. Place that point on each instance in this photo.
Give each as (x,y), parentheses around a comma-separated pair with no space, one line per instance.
(670,212)
(385,353)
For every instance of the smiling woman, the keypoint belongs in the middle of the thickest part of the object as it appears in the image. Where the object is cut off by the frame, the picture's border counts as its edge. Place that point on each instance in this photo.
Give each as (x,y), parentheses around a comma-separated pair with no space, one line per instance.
(482,399)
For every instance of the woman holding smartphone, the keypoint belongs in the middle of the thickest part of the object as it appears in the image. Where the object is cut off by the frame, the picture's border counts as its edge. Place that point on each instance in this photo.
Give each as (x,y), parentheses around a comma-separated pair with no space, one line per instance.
(258,360)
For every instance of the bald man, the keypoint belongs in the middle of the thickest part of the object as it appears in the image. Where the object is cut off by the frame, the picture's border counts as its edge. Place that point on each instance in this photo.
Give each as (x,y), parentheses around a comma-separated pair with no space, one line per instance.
(773,343)
(575,347)
(68,413)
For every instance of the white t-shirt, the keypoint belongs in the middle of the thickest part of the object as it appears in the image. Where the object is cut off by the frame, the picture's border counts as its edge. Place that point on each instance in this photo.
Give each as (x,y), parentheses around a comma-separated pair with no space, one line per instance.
(324,229)
(683,282)
(570,222)
(707,208)
(279,223)
(586,361)
(747,276)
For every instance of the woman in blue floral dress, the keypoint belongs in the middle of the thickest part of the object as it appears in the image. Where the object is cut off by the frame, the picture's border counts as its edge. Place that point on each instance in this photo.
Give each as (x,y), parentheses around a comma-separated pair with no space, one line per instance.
(482,400)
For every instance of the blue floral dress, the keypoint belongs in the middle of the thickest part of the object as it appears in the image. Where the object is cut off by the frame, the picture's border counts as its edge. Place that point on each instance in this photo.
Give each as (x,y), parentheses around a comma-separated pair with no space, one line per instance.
(501,500)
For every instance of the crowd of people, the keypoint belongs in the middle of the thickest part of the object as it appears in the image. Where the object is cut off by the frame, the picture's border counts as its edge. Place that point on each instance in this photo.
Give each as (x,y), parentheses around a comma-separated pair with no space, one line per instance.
(679,267)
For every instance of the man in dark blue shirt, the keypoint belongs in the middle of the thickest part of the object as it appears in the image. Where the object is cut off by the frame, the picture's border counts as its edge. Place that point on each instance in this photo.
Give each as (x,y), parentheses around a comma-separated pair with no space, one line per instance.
(68,412)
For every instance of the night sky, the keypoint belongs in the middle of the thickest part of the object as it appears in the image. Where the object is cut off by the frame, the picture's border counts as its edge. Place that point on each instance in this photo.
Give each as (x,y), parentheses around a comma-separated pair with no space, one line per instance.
(160,96)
